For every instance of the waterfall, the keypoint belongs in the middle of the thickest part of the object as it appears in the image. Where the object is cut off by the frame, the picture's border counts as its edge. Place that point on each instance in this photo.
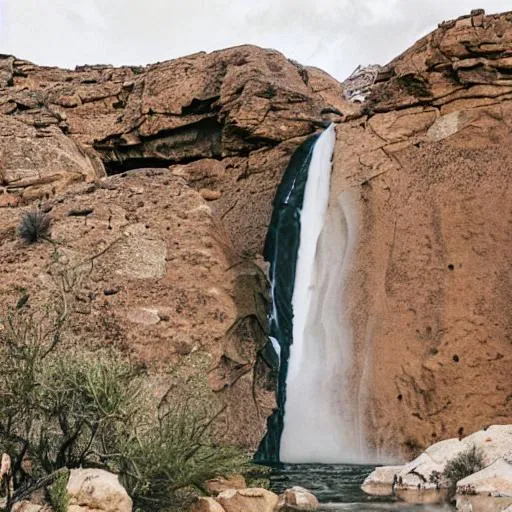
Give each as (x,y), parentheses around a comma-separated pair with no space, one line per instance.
(309,243)
(317,417)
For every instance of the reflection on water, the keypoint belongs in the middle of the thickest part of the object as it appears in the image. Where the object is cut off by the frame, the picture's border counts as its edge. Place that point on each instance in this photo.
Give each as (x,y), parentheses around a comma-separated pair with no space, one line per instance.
(338,487)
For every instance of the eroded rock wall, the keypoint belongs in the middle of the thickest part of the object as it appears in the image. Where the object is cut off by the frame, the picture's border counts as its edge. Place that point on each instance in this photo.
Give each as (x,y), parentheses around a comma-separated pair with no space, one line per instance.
(426,171)
(159,181)
(244,108)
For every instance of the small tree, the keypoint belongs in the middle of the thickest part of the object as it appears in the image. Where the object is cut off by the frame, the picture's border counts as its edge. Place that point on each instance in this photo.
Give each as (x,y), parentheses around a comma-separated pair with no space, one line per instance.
(464,464)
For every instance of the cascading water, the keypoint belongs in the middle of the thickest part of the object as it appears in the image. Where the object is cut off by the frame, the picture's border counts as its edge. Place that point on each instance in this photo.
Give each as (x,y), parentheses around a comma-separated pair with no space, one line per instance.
(307,245)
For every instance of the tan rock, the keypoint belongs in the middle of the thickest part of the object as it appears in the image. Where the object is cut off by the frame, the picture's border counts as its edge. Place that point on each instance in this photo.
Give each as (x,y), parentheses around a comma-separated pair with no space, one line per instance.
(298,498)
(489,490)
(145,316)
(156,275)
(423,268)
(207,505)
(200,172)
(27,506)
(96,490)
(210,195)
(49,163)
(248,500)
(7,200)
(217,485)
(5,466)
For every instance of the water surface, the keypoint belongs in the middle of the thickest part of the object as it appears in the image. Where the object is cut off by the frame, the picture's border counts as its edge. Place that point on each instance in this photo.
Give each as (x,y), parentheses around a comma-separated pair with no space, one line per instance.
(338,487)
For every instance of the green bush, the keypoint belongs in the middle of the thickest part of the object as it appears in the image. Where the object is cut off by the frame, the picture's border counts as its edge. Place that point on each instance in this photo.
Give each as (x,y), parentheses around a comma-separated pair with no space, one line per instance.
(170,463)
(58,493)
(34,226)
(463,465)
(67,408)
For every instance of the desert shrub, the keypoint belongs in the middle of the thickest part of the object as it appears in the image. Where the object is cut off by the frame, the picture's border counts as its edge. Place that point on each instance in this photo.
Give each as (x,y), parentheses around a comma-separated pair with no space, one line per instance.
(34,226)
(168,466)
(67,407)
(58,494)
(463,465)
(435,477)
(88,400)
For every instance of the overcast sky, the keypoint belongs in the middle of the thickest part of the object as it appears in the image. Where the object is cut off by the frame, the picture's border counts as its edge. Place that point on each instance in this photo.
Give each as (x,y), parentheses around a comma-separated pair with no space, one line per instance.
(335,35)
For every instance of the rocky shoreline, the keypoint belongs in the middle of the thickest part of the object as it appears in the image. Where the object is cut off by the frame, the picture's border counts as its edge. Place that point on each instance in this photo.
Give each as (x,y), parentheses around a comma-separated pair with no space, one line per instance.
(432,478)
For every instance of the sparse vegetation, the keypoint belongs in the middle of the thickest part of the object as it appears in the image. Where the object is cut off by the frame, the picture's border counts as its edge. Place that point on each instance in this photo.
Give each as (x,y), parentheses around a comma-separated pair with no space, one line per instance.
(65,408)
(463,465)
(435,477)
(34,226)
(171,462)
(58,494)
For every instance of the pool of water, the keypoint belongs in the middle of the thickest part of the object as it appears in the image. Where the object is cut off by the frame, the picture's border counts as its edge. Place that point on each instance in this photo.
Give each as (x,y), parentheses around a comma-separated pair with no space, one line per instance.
(338,487)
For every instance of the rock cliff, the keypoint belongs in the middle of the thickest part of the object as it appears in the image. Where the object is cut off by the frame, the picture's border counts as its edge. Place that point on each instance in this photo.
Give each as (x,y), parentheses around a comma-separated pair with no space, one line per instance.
(426,172)
(160,180)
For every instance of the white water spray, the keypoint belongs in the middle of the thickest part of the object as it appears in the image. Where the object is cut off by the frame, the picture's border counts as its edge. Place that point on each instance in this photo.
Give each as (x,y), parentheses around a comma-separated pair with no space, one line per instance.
(319,421)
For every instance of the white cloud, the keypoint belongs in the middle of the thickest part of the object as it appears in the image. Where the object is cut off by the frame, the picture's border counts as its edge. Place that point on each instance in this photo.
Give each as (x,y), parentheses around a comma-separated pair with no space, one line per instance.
(335,35)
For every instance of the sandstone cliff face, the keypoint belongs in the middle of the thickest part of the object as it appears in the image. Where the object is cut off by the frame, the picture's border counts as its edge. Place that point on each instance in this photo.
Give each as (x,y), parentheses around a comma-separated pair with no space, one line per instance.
(162,256)
(243,108)
(167,253)
(426,173)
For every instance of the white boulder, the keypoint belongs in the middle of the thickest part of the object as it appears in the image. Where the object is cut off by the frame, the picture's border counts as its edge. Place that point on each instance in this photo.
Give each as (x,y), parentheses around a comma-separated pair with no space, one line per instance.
(488,490)
(421,480)
(495,442)
(298,499)
(96,490)
(380,481)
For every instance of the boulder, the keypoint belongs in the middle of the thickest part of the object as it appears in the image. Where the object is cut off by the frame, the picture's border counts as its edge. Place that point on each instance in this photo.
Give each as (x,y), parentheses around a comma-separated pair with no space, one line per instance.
(27,506)
(206,505)
(380,482)
(96,490)
(495,442)
(298,498)
(37,167)
(419,481)
(217,485)
(248,500)
(488,490)
(422,481)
